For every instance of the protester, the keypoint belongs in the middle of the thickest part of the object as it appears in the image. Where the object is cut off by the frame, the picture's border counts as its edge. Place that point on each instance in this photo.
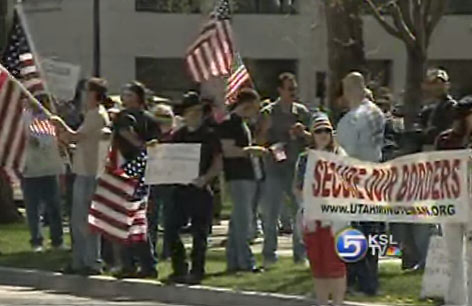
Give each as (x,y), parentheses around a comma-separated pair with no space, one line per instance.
(86,245)
(283,132)
(361,133)
(193,202)
(161,196)
(393,131)
(437,116)
(241,172)
(132,129)
(459,291)
(329,272)
(40,185)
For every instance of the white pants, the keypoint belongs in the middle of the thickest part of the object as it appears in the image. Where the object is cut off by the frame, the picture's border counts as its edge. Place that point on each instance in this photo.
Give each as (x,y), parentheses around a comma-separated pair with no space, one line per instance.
(459,289)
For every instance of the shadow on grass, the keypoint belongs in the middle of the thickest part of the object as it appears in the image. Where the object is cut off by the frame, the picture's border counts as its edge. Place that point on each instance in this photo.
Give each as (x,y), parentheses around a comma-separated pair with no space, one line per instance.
(49,260)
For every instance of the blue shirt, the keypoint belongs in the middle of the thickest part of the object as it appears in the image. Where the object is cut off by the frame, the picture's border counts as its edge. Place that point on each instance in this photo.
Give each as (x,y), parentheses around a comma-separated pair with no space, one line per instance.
(361,132)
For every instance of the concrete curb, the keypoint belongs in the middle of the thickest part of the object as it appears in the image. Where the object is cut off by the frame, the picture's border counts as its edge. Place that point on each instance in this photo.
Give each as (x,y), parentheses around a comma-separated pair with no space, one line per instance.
(110,288)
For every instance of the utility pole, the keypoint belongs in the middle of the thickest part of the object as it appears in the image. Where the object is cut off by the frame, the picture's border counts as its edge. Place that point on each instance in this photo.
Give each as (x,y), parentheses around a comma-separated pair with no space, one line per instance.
(96,37)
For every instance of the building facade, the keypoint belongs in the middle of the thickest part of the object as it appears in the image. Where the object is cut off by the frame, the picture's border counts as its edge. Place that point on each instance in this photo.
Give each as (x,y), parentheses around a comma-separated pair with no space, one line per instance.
(147,40)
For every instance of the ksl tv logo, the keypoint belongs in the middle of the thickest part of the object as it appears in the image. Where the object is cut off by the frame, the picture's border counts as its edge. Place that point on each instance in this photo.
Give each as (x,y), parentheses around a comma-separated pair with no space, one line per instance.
(352,245)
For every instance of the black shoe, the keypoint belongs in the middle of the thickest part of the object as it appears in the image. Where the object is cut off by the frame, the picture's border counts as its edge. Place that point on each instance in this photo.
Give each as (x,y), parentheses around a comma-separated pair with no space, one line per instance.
(193,279)
(177,278)
(124,273)
(69,270)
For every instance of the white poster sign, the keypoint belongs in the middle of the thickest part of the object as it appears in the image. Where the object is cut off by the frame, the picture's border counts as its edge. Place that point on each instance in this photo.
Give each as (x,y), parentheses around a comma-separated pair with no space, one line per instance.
(436,275)
(420,188)
(176,163)
(62,78)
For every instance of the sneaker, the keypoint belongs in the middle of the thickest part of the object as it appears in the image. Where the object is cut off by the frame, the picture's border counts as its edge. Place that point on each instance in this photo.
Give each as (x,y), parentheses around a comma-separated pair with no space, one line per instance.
(38,249)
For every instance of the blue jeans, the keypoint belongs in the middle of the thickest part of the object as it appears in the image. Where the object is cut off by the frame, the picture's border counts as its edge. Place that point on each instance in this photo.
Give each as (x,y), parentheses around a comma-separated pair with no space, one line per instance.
(414,240)
(86,245)
(37,190)
(238,252)
(161,198)
(278,188)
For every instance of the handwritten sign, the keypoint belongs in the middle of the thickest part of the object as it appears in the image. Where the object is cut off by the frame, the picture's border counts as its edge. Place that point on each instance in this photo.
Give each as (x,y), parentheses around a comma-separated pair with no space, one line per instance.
(436,275)
(176,163)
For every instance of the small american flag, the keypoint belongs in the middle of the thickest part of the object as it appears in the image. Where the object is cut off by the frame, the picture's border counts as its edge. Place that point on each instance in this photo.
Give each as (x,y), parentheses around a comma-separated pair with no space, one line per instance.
(41,126)
(211,55)
(13,125)
(118,208)
(238,79)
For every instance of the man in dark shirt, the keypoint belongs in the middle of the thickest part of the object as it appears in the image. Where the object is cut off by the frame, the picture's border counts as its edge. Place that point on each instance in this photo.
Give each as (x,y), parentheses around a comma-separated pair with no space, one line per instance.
(438,115)
(132,129)
(193,202)
(241,169)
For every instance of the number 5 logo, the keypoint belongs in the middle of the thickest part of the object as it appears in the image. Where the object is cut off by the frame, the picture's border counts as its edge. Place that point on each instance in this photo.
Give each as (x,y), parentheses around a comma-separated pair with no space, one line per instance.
(351,245)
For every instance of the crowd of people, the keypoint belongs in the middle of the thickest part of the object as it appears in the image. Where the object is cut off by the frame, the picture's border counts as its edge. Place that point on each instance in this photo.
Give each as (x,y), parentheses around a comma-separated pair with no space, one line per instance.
(261,149)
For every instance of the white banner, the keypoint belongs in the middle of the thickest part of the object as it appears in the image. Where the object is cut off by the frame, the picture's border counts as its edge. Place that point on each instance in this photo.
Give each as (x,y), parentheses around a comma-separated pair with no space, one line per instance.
(176,163)
(426,187)
(62,78)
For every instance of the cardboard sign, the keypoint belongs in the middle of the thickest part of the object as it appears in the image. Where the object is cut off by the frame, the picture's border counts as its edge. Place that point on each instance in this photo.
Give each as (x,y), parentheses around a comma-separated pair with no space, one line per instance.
(62,78)
(176,163)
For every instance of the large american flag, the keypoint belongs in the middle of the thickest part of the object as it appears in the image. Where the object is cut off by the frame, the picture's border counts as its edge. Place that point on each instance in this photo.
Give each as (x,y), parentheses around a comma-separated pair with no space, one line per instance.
(238,79)
(118,209)
(211,55)
(20,61)
(13,125)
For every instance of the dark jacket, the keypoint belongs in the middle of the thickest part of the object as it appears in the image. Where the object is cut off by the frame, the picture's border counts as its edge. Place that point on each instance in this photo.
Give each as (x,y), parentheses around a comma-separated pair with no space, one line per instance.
(437,118)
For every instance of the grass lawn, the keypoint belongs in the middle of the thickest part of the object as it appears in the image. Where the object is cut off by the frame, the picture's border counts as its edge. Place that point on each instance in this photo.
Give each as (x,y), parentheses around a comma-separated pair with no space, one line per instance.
(397,288)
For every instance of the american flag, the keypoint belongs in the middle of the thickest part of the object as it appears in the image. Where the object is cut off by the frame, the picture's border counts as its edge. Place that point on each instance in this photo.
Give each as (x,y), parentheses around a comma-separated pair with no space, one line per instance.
(13,125)
(118,208)
(20,61)
(211,55)
(238,79)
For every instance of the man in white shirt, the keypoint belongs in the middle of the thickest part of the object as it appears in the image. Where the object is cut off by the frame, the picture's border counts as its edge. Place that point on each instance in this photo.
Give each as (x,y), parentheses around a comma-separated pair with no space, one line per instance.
(361,134)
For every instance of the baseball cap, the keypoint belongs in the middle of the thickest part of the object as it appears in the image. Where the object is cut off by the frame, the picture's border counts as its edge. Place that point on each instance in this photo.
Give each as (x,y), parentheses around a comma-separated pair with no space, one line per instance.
(434,74)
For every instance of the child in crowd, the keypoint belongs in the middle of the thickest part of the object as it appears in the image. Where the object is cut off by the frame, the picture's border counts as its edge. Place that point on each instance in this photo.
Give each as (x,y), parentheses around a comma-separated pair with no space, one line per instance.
(329,272)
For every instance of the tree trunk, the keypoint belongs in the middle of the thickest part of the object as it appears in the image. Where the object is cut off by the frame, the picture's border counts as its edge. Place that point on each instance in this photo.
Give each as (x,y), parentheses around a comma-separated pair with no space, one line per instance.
(416,67)
(8,211)
(345,43)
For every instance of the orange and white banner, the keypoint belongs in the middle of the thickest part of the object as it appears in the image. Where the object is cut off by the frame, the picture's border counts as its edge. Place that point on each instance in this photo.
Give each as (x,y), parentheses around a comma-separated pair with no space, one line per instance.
(426,188)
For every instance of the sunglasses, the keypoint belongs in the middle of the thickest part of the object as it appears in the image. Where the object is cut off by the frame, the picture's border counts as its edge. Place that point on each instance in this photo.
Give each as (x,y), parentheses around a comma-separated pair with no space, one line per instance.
(321,131)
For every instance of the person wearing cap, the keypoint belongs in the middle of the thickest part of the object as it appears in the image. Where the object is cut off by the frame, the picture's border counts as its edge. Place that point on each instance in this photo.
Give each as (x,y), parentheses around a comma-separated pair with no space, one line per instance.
(85,247)
(361,133)
(282,130)
(241,171)
(458,236)
(133,128)
(329,272)
(437,116)
(193,202)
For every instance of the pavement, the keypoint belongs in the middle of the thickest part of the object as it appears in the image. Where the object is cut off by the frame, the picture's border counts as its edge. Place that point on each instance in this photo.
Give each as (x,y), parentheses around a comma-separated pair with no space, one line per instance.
(16,296)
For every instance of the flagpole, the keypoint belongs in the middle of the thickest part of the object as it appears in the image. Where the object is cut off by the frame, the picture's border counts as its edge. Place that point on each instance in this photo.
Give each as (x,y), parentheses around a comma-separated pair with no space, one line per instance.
(24,23)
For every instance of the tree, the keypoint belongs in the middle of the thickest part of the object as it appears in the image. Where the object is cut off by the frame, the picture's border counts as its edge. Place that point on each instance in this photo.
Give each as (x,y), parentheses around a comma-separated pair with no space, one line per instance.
(345,42)
(413,22)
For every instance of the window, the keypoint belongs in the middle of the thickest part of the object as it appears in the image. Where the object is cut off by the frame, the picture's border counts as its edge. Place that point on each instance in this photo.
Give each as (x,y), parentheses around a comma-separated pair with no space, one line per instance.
(264,74)
(169,6)
(167,77)
(460,7)
(265,6)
